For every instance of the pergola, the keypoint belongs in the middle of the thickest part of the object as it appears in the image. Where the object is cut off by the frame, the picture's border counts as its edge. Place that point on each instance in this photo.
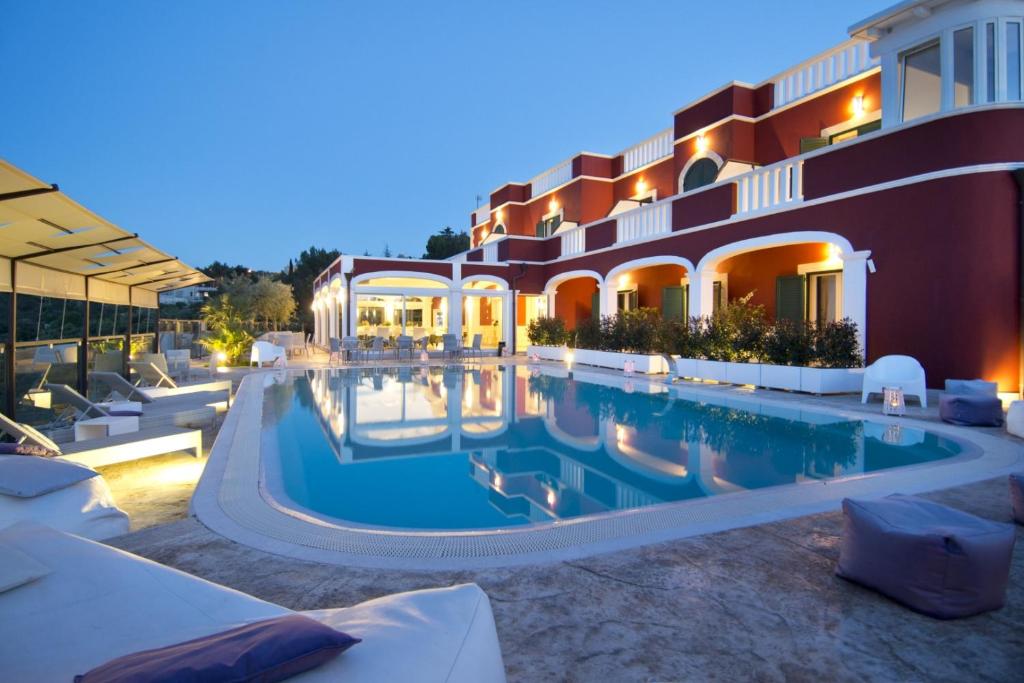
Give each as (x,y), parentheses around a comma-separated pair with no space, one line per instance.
(51,246)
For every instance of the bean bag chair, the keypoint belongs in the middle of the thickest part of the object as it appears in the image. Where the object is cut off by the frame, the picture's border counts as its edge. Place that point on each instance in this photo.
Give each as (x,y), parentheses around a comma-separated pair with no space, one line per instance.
(971,410)
(936,560)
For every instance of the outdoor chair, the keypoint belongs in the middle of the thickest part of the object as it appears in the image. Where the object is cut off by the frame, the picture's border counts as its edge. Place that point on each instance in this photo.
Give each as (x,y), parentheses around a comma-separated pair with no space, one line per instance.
(377,347)
(179,364)
(404,344)
(108,361)
(895,371)
(350,348)
(476,348)
(208,392)
(451,346)
(152,370)
(335,350)
(193,409)
(265,352)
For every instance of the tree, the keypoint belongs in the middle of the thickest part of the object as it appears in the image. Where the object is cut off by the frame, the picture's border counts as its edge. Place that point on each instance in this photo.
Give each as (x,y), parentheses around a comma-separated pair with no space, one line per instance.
(306,268)
(222,271)
(446,242)
(272,302)
(387,251)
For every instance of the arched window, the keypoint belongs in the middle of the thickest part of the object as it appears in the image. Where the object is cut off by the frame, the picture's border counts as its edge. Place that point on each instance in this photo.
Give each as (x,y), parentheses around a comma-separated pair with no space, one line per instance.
(499,229)
(702,172)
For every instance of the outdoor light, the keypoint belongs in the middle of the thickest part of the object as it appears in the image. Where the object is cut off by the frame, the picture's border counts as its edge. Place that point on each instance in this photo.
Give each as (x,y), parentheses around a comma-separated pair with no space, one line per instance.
(893,435)
(221,356)
(553,205)
(497,481)
(857,106)
(641,187)
(892,401)
(702,144)
(499,215)
(623,280)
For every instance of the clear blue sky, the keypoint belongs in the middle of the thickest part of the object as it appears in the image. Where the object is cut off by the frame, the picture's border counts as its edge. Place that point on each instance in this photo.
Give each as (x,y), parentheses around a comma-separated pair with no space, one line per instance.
(247,131)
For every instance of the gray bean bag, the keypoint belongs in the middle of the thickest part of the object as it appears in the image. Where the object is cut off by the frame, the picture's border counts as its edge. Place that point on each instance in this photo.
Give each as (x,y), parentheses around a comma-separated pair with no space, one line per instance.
(1017,496)
(971,410)
(936,560)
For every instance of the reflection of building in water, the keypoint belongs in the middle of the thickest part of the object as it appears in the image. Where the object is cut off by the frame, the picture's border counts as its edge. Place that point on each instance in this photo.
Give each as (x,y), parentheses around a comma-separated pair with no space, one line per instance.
(547,448)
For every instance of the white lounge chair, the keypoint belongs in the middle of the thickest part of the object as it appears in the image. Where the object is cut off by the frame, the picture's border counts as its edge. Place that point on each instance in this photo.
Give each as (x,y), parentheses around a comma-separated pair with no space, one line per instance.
(86,508)
(208,392)
(106,603)
(895,371)
(197,409)
(112,449)
(265,352)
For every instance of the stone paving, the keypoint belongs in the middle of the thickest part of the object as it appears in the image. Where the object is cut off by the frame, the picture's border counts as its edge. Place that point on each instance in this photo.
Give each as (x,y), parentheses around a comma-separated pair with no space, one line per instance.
(758,603)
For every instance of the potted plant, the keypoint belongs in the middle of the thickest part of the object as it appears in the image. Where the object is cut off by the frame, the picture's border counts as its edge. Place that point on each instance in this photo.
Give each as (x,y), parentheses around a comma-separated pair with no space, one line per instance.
(547,338)
(836,359)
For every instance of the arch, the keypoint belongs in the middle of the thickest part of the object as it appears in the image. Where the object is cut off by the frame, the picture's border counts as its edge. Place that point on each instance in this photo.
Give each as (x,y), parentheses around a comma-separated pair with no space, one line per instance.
(335,282)
(666,260)
(552,284)
(711,260)
(719,162)
(501,282)
(415,274)
(499,229)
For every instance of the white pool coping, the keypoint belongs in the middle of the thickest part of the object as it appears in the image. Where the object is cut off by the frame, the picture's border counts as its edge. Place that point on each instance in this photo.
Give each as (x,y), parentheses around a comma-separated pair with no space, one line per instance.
(233,500)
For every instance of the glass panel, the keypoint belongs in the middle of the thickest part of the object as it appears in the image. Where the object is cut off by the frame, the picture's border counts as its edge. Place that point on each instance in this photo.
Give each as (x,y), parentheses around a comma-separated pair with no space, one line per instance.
(482,315)
(922,82)
(379,315)
(104,355)
(1013,60)
(35,366)
(963,67)
(827,298)
(990,62)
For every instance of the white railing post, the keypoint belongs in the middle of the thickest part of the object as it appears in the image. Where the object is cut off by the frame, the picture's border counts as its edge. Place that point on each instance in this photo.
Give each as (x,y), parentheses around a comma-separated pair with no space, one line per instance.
(838,64)
(770,186)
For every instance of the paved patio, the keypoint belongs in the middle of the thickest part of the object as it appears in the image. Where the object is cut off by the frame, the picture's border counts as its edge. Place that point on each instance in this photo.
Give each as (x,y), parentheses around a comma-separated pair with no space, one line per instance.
(756,603)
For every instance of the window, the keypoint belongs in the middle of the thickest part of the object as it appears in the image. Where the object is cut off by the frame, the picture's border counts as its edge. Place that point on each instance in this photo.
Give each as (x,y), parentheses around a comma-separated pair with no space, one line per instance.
(854,132)
(922,81)
(990,62)
(790,297)
(1013,60)
(963,67)
(627,299)
(702,172)
(825,294)
(673,303)
(546,226)
(499,229)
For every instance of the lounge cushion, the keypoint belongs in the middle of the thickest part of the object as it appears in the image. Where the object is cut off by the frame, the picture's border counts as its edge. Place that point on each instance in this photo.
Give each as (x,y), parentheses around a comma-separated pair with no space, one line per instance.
(1015,419)
(971,410)
(939,561)
(977,387)
(28,477)
(86,509)
(104,603)
(17,568)
(265,651)
(1017,496)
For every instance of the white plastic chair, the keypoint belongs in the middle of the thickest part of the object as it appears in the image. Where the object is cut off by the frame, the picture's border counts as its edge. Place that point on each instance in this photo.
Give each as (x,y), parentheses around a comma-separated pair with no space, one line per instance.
(895,371)
(265,352)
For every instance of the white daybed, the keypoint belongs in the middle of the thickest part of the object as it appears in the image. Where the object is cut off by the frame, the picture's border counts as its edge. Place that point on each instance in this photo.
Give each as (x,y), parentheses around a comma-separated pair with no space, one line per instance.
(86,508)
(99,603)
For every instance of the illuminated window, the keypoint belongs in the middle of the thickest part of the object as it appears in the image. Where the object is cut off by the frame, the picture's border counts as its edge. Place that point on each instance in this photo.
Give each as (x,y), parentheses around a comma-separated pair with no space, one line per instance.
(922,81)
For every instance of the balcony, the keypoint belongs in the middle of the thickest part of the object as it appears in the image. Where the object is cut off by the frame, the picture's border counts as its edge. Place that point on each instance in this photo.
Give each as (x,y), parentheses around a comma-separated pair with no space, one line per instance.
(573,241)
(647,221)
(838,64)
(771,186)
(552,178)
(650,150)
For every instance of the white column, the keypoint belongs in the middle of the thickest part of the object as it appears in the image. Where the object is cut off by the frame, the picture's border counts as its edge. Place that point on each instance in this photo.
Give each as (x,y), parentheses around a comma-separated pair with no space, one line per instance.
(702,293)
(455,313)
(332,310)
(550,297)
(608,299)
(318,328)
(508,320)
(855,292)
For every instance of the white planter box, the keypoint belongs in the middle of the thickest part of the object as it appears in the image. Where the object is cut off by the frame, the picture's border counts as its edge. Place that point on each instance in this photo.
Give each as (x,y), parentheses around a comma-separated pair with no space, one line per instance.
(556,353)
(831,380)
(743,373)
(712,369)
(686,367)
(781,377)
(645,364)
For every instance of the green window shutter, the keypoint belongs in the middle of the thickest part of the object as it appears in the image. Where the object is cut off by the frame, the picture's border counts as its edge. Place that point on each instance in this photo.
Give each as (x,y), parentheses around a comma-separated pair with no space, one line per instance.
(870,127)
(717,300)
(808,144)
(686,301)
(595,305)
(790,297)
(673,306)
(540,229)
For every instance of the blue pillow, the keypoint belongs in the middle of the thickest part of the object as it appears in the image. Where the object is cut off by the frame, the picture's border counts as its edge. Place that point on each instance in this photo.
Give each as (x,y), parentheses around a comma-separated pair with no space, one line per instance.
(264,651)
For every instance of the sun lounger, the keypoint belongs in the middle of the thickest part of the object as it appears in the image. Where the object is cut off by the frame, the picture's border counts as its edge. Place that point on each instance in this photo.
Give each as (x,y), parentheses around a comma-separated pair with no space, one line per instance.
(105,603)
(131,392)
(112,449)
(86,509)
(179,412)
(153,371)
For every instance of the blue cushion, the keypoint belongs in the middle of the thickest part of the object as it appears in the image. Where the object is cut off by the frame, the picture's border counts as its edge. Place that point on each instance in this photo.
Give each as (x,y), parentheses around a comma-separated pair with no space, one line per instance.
(971,387)
(971,410)
(264,651)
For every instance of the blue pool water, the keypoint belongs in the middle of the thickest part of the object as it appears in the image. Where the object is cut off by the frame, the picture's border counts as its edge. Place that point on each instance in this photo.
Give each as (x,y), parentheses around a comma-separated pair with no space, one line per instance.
(491,446)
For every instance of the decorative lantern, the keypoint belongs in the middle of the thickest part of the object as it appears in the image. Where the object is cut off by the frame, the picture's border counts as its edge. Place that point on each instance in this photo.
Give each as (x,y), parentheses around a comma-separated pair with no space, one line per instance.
(892,401)
(893,435)
(628,387)
(629,367)
(535,356)
(424,356)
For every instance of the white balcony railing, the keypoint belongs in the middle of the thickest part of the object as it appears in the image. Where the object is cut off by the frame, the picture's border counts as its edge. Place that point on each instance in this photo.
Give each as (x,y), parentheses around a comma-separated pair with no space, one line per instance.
(770,186)
(482,214)
(648,220)
(491,252)
(552,178)
(838,64)
(653,148)
(574,241)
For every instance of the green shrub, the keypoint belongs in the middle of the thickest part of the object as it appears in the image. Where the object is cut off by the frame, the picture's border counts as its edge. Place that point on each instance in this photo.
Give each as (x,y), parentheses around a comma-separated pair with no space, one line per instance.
(836,345)
(588,334)
(544,331)
(789,343)
(747,329)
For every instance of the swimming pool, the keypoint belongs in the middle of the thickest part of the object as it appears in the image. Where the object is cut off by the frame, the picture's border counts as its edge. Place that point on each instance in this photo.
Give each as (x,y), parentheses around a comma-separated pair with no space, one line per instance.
(489,447)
